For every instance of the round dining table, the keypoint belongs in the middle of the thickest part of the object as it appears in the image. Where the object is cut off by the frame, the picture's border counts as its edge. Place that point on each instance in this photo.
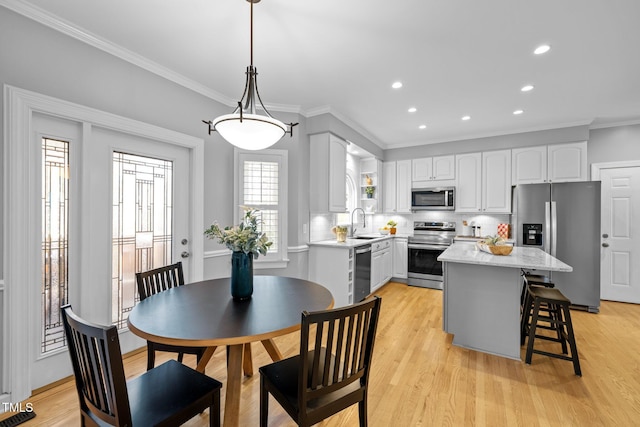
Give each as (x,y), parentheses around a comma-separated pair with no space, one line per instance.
(203,314)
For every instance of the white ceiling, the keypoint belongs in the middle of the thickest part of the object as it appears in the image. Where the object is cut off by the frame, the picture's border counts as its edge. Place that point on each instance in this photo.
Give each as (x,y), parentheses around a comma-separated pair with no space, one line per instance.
(455,58)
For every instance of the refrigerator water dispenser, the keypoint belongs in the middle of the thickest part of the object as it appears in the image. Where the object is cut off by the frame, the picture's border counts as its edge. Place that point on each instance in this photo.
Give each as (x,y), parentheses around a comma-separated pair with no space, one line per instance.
(532,234)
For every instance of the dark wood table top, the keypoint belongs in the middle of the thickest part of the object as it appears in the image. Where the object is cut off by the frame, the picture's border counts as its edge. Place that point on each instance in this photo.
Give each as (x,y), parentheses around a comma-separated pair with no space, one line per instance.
(205,314)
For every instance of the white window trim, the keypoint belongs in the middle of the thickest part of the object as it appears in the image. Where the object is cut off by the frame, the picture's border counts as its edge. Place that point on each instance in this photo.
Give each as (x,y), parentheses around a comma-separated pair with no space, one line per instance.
(282,259)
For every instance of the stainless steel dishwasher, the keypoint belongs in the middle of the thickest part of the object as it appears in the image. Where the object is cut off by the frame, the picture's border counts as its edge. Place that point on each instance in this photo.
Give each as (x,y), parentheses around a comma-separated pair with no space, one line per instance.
(363,273)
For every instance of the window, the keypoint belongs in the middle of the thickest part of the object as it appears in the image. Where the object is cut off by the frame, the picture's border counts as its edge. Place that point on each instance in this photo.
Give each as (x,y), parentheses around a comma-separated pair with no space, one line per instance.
(261,183)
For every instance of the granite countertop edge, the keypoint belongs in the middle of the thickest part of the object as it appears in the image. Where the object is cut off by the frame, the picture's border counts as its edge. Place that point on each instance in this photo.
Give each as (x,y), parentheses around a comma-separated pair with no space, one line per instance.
(521,257)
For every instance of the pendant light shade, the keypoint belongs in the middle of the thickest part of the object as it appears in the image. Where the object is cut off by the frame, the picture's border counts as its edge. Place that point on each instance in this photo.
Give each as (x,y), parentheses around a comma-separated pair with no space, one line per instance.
(252,132)
(246,128)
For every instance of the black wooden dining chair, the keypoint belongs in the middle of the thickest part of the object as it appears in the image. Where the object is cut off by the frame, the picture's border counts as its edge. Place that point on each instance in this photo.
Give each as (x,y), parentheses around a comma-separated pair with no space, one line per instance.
(150,283)
(168,395)
(331,372)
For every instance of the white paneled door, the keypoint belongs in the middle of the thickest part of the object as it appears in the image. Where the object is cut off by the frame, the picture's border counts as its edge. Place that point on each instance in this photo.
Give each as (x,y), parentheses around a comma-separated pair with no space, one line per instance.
(620,269)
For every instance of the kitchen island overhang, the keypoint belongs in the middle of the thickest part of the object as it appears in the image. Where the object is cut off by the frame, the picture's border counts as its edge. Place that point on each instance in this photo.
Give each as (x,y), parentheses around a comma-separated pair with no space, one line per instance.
(481,295)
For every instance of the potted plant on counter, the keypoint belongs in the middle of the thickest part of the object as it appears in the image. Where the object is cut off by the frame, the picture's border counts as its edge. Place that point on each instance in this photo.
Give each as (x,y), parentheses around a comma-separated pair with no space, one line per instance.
(392,226)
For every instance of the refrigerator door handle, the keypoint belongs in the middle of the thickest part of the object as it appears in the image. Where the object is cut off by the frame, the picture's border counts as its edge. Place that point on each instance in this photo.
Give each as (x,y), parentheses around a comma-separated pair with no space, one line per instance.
(554,228)
(547,227)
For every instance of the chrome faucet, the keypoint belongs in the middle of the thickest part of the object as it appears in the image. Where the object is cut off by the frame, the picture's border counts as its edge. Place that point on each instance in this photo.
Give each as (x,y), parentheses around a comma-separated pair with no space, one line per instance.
(364,221)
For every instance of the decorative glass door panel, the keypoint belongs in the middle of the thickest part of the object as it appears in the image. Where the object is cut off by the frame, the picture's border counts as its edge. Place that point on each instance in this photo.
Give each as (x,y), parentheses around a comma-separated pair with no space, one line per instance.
(55,239)
(142,225)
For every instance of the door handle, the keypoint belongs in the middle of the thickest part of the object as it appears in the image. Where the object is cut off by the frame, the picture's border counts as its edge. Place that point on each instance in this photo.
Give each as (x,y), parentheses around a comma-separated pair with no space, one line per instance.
(605,245)
(605,235)
(185,254)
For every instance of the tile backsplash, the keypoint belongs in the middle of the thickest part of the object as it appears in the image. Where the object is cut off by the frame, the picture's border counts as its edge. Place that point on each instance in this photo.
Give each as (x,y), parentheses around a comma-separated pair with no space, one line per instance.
(320,224)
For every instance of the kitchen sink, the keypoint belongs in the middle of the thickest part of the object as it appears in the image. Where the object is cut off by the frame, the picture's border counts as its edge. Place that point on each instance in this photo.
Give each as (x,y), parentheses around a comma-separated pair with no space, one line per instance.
(365,237)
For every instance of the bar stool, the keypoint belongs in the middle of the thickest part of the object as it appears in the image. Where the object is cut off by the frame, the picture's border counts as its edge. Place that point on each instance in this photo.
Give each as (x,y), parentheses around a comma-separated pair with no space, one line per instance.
(559,318)
(526,302)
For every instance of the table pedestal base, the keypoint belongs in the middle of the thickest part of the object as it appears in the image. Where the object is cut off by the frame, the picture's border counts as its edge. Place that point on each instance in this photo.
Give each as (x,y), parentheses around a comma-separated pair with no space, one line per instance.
(239,360)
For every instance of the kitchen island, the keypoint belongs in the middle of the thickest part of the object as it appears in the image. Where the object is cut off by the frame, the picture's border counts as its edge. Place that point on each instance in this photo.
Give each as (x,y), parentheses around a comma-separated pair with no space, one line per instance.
(481,296)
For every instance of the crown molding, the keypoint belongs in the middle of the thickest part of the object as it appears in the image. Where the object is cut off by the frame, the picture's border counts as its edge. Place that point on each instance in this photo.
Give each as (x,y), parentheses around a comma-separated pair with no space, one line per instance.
(615,124)
(326,109)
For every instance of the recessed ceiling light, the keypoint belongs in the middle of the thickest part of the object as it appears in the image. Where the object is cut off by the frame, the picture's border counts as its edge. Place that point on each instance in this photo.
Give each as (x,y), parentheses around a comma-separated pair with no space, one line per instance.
(412,110)
(518,112)
(422,127)
(544,48)
(396,85)
(466,118)
(527,88)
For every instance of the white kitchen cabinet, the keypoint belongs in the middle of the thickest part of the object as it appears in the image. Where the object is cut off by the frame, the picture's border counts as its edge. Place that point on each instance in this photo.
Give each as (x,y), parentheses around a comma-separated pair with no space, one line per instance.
(549,163)
(400,257)
(483,182)
(381,263)
(396,189)
(469,182)
(403,186)
(426,170)
(529,165)
(567,162)
(496,181)
(389,191)
(333,268)
(328,173)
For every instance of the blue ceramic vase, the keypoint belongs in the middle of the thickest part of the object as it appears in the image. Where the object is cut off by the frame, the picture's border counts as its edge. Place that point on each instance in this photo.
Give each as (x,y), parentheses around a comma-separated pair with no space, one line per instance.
(241,275)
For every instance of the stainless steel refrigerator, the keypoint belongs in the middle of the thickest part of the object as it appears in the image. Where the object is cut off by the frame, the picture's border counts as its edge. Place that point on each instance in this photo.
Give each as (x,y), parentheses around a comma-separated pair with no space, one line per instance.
(563,219)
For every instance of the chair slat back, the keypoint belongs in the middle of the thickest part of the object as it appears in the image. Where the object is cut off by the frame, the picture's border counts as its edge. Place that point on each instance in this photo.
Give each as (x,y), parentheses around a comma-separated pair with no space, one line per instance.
(98,369)
(336,347)
(159,279)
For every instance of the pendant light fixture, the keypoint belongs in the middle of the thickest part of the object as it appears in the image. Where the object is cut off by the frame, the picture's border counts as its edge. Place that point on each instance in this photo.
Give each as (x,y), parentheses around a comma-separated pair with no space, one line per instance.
(246,128)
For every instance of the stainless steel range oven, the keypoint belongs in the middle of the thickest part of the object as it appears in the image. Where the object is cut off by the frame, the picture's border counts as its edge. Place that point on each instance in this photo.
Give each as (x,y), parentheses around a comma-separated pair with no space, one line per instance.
(429,240)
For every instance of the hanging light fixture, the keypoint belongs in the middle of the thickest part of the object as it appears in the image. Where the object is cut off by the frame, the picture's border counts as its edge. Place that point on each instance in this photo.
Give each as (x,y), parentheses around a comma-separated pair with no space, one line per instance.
(246,128)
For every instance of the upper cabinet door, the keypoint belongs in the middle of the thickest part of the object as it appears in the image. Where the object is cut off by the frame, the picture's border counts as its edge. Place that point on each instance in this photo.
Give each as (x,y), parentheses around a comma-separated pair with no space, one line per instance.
(432,169)
(421,169)
(469,182)
(337,175)
(529,165)
(403,186)
(568,162)
(328,174)
(549,163)
(496,181)
(444,167)
(389,186)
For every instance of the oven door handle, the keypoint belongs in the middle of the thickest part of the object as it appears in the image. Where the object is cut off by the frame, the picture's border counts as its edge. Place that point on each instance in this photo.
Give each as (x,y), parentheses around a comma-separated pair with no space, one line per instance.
(420,246)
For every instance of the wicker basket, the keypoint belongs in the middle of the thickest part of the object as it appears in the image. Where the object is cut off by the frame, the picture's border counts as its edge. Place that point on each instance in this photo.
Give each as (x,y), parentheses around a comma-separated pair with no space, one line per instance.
(495,249)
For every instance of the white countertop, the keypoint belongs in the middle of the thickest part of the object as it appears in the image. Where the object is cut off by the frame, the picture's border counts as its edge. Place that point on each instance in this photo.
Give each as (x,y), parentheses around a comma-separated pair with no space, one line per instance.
(352,243)
(521,257)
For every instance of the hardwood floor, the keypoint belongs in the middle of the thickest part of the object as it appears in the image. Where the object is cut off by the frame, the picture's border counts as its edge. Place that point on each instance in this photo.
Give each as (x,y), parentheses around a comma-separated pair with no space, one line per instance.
(420,379)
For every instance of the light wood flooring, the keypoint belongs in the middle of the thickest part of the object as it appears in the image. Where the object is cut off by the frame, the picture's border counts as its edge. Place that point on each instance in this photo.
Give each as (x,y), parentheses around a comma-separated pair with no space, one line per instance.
(420,379)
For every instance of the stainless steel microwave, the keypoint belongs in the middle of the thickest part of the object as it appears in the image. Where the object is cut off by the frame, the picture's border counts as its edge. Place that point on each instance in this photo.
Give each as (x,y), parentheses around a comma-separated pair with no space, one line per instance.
(433,199)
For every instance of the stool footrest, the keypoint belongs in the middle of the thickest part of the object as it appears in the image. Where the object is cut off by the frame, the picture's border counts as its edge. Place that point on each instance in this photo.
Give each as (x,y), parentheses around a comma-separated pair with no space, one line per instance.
(557,356)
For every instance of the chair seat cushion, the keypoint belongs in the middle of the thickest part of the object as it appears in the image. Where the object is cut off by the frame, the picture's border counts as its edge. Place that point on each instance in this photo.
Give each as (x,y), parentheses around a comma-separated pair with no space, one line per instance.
(168,389)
